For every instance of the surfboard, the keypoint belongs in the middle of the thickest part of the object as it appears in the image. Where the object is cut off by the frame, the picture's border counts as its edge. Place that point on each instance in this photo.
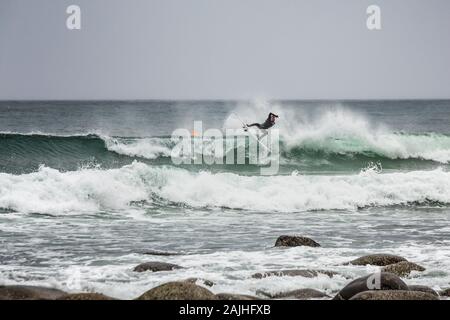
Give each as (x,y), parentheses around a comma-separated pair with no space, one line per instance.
(247,129)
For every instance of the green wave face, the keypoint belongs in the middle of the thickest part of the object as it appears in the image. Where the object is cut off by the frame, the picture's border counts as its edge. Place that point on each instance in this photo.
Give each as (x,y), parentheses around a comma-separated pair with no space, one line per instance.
(21,153)
(25,153)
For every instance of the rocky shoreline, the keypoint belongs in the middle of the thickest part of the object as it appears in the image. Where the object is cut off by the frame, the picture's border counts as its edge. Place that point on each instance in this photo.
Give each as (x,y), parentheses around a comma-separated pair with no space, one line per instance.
(387,284)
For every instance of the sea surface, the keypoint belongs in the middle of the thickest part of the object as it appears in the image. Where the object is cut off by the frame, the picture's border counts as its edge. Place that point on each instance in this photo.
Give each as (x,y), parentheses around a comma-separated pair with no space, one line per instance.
(88,187)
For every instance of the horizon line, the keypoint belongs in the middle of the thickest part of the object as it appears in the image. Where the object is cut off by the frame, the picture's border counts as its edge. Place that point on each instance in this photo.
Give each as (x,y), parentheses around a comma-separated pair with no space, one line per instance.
(225,99)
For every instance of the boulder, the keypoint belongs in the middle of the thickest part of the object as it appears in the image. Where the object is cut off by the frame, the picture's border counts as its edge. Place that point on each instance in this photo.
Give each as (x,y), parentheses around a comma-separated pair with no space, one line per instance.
(381,259)
(293,273)
(402,268)
(29,293)
(295,241)
(85,296)
(386,281)
(423,289)
(160,253)
(205,282)
(155,266)
(178,290)
(301,294)
(232,296)
(393,295)
(445,292)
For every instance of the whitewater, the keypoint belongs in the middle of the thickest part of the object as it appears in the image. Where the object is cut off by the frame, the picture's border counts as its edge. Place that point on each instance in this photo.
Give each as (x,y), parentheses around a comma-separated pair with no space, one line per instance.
(92,190)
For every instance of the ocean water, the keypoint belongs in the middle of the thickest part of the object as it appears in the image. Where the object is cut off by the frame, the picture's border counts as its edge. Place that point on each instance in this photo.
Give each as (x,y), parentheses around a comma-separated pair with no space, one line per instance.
(87,187)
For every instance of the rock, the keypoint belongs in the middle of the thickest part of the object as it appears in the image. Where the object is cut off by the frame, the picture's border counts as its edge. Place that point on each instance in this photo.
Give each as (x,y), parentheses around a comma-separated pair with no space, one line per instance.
(423,289)
(402,268)
(445,292)
(293,273)
(85,296)
(394,295)
(29,293)
(377,260)
(178,290)
(160,253)
(387,281)
(295,241)
(301,294)
(206,282)
(155,266)
(232,296)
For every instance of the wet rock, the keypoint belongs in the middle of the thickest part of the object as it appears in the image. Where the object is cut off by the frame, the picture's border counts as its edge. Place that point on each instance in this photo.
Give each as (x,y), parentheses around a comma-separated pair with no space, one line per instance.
(381,259)
(402,268)
(293,273)
(423,289)
(160,253)
(232,296)
(385,281)
(205,282)
(394,295)
(85,296)
(301,294)
(155,266)
(29,293)
(178,290)
(295,241)
(445,292)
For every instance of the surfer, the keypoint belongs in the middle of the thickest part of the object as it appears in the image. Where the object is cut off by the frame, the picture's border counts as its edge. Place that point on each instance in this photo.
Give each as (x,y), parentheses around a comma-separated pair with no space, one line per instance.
(270,121)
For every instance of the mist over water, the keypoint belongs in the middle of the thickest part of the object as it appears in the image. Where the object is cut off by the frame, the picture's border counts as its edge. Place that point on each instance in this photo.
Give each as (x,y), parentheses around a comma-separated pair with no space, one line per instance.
(90,185)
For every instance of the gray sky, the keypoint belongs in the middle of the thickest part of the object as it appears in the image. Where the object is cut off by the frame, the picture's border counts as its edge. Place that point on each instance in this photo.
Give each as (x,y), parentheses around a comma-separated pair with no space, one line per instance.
(224,49)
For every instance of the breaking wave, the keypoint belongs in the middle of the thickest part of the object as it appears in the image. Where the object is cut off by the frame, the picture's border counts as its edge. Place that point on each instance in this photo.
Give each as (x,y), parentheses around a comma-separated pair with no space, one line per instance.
(95,190)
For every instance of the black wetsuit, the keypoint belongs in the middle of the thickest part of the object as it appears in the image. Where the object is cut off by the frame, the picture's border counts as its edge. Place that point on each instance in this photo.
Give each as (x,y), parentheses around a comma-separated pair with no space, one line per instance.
(270,121)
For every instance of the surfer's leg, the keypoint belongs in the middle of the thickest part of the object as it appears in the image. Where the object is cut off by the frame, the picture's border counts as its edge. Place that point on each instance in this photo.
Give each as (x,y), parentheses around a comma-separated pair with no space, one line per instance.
(254,125)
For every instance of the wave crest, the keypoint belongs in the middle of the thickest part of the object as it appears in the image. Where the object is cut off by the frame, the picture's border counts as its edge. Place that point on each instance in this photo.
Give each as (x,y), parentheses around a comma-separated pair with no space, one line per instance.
(92,190)
(340,131)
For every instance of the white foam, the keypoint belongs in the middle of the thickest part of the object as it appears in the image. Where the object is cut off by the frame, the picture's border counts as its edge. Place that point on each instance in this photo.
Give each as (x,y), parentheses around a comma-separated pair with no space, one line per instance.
(87,190)
(150,148)
(301,193)
(91,190)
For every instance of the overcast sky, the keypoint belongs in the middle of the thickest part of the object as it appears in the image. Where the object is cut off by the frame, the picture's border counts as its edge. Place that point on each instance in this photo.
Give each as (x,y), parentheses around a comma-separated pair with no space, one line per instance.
(224,49)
